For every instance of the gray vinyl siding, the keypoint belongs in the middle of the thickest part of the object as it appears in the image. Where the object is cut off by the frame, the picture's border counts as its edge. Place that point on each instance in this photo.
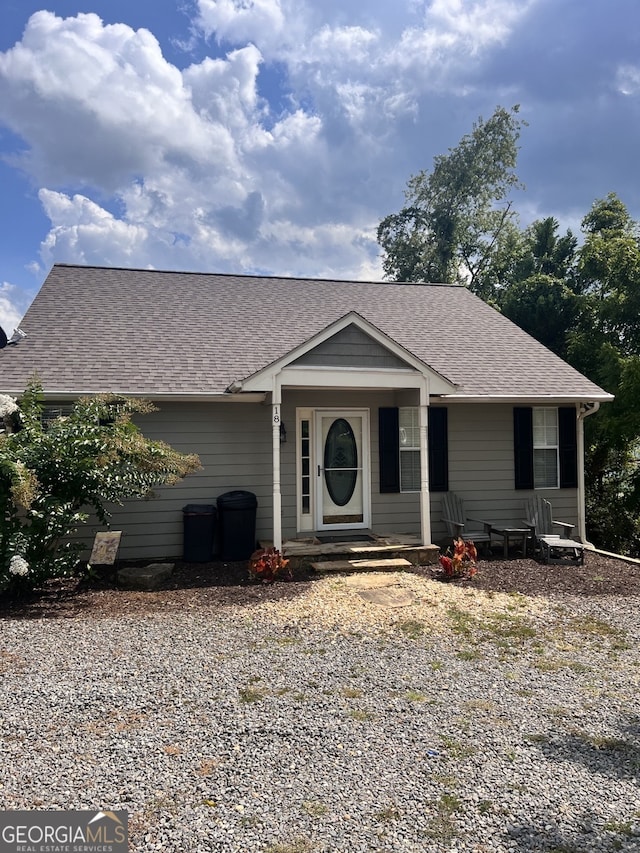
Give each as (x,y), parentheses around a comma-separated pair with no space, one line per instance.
(351,347)
(234,442)
(481,470)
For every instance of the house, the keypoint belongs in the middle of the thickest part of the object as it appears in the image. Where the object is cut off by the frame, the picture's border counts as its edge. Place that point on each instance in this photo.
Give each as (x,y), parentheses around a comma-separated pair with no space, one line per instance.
(342,405)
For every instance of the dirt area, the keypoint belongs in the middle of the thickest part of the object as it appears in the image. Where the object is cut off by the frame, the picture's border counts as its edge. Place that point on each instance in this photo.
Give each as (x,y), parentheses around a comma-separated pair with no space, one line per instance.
(216,584)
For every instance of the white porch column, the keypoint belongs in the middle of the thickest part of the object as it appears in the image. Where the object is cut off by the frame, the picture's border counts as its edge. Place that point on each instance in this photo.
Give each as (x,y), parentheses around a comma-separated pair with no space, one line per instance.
(584,410)
(425,508)
(276,420)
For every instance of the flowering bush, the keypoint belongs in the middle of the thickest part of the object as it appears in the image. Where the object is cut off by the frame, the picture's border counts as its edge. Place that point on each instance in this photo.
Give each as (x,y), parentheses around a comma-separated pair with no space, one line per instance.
(267,564)
(8,405)
(8,409)
(462,563)
(18,566)
(52,474)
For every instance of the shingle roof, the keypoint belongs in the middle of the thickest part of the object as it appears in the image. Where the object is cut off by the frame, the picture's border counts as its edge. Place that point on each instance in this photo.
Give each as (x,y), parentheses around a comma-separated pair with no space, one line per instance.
(147,332)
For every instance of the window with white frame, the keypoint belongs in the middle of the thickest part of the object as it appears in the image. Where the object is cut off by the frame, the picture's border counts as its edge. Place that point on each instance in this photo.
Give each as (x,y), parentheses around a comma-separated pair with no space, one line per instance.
(305,467)
(50,413)
(545,448)
(409,425)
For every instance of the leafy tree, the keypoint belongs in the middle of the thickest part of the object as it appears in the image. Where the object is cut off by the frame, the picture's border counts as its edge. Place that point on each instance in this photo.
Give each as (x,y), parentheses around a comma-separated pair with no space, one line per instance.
(543,306)
(51,474)
(456,215)
(538,289)
(583,303)
(546,253)
(605,346)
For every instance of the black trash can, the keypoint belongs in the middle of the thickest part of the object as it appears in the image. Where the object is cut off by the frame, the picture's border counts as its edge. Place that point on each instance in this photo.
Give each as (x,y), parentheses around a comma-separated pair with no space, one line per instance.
(199,522)
(237,514)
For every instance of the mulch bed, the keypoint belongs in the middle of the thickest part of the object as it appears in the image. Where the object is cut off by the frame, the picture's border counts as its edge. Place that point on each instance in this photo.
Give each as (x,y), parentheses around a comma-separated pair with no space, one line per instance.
(216,584)
(600,575)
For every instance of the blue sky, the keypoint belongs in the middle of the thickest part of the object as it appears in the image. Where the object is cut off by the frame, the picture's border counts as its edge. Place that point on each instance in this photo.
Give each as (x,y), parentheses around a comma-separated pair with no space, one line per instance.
(271,136)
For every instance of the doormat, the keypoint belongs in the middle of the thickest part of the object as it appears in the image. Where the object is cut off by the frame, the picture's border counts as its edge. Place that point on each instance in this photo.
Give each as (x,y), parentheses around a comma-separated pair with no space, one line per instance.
(344,537)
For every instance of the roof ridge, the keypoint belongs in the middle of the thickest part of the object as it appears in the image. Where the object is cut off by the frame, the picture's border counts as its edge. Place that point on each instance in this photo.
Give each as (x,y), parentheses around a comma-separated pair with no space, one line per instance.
(110,267)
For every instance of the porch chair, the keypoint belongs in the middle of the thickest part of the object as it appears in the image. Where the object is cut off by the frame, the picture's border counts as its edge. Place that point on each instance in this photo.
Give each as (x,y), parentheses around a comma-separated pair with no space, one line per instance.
(455,519)
(552,546)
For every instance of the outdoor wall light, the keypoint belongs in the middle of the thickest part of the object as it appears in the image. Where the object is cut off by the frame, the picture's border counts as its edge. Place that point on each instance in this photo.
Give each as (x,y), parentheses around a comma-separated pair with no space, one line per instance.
(283,433)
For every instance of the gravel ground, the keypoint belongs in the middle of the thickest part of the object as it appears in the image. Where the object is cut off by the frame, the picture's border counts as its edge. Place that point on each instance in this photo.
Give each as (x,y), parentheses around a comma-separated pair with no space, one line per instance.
(497,715)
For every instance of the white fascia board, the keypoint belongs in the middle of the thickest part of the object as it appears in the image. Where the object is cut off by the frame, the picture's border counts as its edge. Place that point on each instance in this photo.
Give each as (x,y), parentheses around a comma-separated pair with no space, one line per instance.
(347,377)
(194,397)
(256,397)
(528,400)
(357,378)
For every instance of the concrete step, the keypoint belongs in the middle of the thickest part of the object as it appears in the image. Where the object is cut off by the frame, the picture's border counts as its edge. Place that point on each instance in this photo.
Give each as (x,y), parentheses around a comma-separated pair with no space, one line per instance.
(390,564)
(304,556)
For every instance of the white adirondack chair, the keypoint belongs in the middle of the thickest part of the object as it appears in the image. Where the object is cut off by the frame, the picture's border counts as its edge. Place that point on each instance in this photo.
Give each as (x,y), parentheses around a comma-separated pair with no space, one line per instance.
(554,547)
(457,522)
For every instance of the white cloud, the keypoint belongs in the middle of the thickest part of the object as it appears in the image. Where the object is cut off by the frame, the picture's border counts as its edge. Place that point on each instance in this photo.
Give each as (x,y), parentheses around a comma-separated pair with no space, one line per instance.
(628,79)
(198,169)
(280,155)
(240,21)
(82,230)
(337,47)
(452,39)
(98,104)
(239,240)
(225,90)
(200,187)
(12,308)
(478,24)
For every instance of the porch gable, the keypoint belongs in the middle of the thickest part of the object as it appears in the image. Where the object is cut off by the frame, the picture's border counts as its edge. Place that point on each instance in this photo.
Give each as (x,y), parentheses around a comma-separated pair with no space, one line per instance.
(348,353)
(351,347)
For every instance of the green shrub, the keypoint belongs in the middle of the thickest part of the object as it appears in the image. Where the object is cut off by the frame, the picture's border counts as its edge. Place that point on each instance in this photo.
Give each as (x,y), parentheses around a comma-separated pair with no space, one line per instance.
(52,474)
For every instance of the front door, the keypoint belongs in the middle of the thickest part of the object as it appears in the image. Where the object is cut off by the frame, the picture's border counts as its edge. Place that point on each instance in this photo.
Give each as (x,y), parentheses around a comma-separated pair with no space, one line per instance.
(342,457)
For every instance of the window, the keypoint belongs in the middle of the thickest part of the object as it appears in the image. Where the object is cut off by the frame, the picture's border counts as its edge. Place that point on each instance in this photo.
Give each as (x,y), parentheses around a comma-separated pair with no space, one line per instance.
(399,449)
(305,467)
(50,413)
(409,429)
(545,448)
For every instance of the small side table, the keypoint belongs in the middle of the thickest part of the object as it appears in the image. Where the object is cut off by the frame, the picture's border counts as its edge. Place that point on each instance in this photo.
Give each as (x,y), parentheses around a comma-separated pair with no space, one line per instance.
(508,533)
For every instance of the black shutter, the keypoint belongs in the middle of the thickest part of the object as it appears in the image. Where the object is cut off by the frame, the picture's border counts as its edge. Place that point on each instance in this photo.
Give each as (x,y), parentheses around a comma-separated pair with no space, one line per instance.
(438,450)
(389,449)
(568,447)
(523,446)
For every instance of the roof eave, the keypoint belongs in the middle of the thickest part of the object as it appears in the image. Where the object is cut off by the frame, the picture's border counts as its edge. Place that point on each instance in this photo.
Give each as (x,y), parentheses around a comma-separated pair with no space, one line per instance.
(530,399)
(157,397)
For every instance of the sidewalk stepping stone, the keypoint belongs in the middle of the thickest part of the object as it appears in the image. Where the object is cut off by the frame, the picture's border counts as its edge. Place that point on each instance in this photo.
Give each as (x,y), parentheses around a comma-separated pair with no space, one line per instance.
(388,596)
(144,577)
(390,564)
(371,581)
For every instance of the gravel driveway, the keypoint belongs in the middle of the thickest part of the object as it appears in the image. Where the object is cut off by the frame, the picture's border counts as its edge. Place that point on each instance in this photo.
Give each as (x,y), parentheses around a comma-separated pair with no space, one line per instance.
(302,718)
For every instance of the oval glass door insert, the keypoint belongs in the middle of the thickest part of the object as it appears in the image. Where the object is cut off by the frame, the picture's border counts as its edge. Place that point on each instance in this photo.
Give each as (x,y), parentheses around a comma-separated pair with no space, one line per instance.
(340,462)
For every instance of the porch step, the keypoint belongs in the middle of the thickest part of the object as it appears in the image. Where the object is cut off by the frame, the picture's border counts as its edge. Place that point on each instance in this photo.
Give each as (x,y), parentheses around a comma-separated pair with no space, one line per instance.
(390,564)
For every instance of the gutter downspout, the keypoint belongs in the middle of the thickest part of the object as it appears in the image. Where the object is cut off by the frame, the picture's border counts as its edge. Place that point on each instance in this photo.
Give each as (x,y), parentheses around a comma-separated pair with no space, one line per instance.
(584,410)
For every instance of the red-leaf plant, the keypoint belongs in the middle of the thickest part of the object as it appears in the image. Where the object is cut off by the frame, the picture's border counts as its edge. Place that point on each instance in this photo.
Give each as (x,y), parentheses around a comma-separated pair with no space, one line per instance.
(463,562)
(267,564)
